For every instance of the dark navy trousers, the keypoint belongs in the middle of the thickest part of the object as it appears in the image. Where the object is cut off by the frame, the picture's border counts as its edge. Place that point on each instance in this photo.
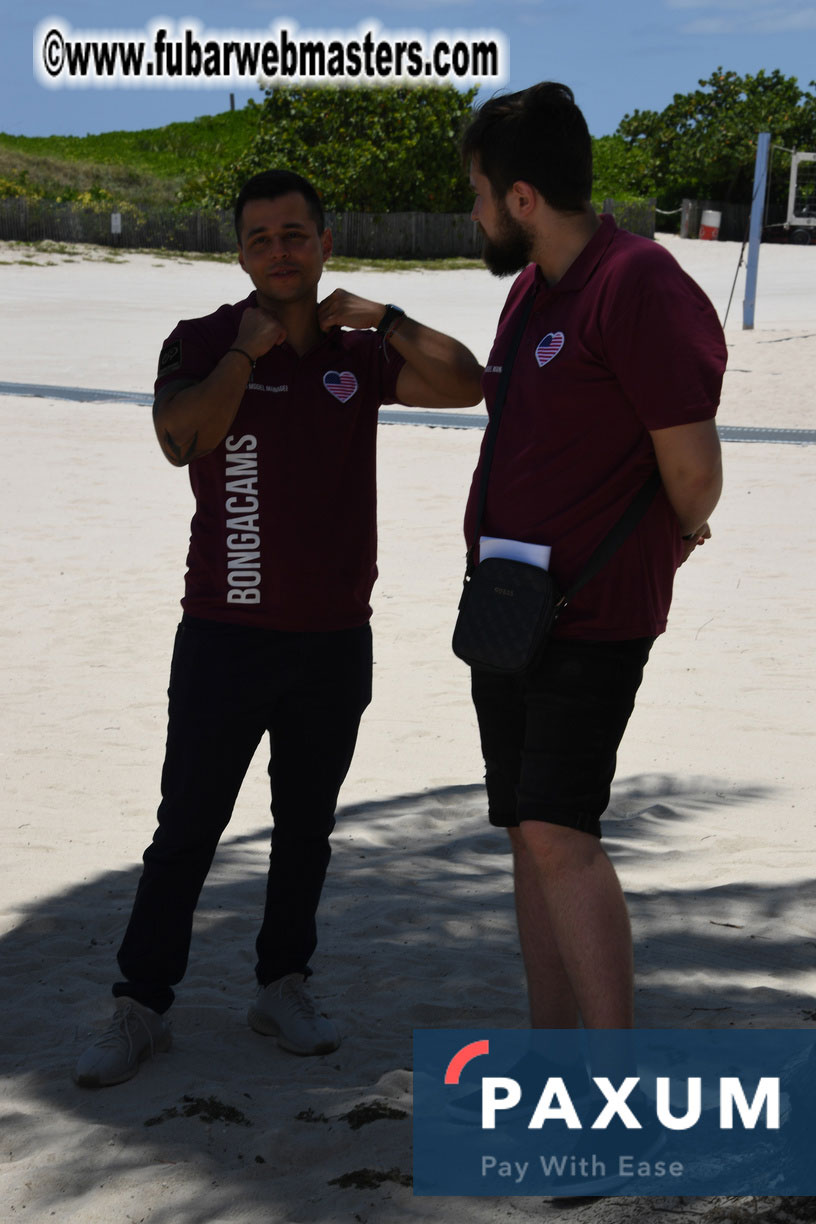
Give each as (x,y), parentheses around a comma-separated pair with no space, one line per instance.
(229,685)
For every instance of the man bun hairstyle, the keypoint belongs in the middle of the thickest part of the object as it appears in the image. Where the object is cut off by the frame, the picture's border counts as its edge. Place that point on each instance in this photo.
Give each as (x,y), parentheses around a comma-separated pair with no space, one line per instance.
(270,184)
(537,136)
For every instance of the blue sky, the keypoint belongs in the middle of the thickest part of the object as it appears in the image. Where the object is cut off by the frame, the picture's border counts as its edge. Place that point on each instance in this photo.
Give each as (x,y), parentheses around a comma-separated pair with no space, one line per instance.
(617,55)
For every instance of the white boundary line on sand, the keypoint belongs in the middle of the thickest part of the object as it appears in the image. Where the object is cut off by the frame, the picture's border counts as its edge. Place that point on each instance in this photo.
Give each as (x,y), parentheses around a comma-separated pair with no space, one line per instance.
(392,416)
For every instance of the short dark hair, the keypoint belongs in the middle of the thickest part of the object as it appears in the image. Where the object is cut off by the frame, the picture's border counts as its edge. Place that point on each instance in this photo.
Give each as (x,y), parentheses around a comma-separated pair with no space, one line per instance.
(270,184)
(537,136)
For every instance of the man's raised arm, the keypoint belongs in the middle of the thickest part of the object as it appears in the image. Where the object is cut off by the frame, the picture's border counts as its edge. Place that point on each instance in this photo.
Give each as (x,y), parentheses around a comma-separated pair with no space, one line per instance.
(439,372)
(192,421)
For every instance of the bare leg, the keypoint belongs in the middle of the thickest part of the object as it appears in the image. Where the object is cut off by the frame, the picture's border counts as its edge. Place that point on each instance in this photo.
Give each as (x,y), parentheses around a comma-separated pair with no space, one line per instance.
(552,1003)
(573,927)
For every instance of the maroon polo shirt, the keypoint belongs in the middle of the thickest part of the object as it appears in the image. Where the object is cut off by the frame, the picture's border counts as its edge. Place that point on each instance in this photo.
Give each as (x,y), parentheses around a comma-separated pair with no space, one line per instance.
(284,534)
(625,343)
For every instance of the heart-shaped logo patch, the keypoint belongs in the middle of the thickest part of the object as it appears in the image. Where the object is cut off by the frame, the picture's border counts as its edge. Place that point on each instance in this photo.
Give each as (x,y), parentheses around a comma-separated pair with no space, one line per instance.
(341,386)
(549,347)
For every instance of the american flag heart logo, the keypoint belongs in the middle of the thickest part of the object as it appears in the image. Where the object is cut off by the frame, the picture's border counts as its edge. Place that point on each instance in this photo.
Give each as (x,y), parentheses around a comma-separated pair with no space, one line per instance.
(549,347)
(341,386)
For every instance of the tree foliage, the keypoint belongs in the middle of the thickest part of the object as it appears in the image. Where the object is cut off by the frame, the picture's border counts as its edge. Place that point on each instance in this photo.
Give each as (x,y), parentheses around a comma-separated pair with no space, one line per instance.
(614,169)
(365,150)
(703,145)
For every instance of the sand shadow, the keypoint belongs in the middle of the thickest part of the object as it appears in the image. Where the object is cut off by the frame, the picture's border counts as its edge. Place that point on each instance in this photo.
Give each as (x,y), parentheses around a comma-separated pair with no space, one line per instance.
(417,930)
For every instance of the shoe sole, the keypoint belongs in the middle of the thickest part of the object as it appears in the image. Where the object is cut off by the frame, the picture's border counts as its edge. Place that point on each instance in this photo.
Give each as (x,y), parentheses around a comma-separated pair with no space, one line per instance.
(267,1027)
(95,1081)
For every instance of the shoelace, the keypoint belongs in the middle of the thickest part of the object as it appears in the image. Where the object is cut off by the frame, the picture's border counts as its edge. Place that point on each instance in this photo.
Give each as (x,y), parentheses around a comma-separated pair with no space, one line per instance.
(299,998)
(119,1033)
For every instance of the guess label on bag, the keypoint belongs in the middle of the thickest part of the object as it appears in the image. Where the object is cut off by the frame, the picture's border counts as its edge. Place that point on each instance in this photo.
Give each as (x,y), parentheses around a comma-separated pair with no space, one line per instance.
(506,612)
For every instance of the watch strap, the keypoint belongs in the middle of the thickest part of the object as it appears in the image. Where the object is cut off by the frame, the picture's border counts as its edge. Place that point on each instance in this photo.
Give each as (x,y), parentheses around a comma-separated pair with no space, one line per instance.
(392,313)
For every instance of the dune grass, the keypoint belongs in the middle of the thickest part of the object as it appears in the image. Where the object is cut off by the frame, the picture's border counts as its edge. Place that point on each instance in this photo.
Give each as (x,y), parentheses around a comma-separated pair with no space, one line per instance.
(146,168)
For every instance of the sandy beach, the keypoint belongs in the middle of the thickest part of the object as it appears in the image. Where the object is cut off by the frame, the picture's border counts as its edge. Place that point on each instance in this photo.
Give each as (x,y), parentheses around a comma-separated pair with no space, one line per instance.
(711,824)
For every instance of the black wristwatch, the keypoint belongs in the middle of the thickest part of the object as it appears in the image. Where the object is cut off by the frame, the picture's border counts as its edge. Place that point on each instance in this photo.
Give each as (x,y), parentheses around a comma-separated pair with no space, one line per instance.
(392,313)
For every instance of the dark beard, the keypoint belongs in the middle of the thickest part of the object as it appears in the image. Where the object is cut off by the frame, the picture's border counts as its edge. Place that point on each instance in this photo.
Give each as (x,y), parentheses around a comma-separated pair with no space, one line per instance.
(510,250)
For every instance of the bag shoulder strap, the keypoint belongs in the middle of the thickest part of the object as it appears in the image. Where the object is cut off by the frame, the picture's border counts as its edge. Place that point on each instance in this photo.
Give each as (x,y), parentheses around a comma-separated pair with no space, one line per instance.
(612,541)
(625,525)
(495,418)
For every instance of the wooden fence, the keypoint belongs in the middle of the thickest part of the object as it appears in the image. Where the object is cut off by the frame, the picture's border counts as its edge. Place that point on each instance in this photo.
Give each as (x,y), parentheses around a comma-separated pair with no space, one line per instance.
(404,235)
(637,216)
(734,218)
(35,220)
(361,235)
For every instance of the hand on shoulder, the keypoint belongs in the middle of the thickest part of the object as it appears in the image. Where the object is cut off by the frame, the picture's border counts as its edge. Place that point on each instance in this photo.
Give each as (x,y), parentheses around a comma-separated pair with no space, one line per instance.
(344,309)
(259,331)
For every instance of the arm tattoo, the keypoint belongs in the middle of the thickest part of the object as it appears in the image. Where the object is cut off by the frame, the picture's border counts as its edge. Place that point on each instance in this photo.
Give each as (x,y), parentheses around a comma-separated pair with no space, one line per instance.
(173,449)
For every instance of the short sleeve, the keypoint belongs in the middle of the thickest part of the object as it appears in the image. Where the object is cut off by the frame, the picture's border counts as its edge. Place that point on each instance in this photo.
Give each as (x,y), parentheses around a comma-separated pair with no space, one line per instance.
(186,358)
(663,342)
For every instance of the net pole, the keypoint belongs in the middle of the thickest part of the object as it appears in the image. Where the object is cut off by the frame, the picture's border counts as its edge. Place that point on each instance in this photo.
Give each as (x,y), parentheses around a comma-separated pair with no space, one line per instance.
(755,229)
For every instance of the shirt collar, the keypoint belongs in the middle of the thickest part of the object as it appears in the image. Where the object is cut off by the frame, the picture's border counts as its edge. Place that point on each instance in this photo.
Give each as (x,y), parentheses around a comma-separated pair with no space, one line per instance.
(333,337)
(582,267)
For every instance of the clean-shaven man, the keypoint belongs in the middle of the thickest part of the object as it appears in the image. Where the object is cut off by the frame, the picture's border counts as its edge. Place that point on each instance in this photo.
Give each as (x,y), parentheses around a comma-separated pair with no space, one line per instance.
(272,407)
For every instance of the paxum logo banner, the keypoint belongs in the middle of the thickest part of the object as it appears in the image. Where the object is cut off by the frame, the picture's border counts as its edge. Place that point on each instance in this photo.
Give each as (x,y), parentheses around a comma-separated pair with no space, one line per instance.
(667,1112)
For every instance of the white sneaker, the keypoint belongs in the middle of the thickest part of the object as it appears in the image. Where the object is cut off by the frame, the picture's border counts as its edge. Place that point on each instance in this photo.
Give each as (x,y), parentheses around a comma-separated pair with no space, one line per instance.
(135,1033)
(285,1009)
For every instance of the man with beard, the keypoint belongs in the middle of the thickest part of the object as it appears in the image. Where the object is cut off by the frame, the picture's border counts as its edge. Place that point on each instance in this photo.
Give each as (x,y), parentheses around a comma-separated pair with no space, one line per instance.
(618,372)
(272,406)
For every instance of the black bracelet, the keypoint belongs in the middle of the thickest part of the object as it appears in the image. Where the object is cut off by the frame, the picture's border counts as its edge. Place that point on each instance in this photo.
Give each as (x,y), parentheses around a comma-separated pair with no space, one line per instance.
(388,322)
(244,353)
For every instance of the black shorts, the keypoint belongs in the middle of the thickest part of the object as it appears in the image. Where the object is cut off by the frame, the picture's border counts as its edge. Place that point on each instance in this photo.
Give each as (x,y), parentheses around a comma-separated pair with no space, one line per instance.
(550,737)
